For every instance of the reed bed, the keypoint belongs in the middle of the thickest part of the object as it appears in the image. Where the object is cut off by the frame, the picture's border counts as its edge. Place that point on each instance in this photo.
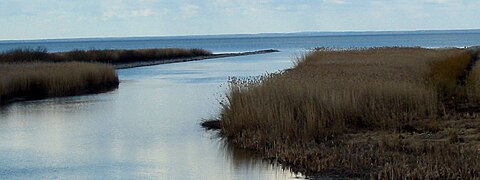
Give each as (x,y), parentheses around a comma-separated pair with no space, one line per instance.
(356,113)
(449,76)
(36,73)
(102,56)
(26,81)
(473,81)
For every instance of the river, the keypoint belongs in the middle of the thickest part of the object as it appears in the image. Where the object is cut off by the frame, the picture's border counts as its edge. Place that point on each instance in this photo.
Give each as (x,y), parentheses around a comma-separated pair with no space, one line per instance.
(149,127)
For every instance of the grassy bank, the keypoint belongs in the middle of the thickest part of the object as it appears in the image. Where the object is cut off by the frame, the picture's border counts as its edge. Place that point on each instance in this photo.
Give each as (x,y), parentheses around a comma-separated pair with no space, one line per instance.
(36,73)
(378,113)
(101,56)
(27,81)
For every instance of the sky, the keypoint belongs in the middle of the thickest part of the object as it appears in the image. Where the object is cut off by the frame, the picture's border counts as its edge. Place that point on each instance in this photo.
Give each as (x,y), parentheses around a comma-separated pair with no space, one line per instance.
(50,19)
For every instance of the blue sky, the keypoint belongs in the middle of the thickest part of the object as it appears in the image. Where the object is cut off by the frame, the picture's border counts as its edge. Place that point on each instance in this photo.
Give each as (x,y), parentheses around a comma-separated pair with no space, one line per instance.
(40,19)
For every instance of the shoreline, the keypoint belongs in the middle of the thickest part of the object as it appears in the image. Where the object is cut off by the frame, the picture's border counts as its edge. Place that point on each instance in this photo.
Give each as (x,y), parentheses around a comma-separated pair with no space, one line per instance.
(35,81)
(6,100)
(91,91)
(355,150)
(129,65)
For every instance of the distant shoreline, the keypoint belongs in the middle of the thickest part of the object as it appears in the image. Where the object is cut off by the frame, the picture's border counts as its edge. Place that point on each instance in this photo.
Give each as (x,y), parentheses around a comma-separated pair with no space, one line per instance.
(129,65)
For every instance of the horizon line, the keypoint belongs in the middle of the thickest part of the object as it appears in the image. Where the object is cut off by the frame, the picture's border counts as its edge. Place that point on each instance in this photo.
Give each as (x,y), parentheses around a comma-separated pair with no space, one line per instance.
(327,33)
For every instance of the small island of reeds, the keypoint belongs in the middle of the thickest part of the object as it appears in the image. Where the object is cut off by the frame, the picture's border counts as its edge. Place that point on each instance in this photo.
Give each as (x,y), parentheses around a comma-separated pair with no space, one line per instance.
(39,80)
(381,113)
(29,74)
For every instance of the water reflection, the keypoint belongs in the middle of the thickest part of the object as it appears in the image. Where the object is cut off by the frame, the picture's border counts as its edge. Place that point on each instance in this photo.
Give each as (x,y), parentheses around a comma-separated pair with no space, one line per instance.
(246,161)
(148,128)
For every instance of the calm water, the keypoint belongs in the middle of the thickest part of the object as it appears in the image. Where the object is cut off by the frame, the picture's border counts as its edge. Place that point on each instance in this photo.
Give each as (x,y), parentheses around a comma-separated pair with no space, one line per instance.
(251,44)
(148,128)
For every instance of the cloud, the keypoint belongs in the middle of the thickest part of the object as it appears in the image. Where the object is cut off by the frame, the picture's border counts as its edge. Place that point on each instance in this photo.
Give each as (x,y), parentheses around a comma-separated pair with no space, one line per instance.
(45,18)
(335,1)
(442,1)
(189,10)
(142,13)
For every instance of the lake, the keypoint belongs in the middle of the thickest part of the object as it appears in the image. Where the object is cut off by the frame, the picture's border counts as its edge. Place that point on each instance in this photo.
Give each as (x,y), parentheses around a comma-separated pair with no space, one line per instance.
(149,127)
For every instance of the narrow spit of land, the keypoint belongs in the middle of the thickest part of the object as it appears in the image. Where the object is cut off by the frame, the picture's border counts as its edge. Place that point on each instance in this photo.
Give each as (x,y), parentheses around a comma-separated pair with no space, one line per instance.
(379,113)
(120,59)
(186,59)
(30,74)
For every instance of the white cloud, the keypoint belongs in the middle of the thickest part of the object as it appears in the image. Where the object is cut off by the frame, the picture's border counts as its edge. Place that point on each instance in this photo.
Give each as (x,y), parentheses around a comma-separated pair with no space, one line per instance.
(189,10)
(338,1)
(335,1)
(441,1)
(27,18)
(142,13)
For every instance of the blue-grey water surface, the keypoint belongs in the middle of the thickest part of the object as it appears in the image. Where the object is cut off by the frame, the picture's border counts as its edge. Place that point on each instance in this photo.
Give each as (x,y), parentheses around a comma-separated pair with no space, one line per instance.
(149,127)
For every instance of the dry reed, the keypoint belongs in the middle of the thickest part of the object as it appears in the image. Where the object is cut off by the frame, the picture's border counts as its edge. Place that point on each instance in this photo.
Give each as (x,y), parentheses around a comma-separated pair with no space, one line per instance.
(448,75)
(35,73)
(25,81)
(328,113)
(473,81)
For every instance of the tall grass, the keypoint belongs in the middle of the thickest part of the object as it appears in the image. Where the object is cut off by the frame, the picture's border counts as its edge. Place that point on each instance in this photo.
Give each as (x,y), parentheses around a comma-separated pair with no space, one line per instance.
(331,91)
(27,81)
(102,56)
(473,81)
(308,115)
(36,73)
(448,75)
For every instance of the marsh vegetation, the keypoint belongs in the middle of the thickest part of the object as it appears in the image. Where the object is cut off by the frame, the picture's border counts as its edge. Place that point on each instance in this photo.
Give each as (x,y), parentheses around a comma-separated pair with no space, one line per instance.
(378,113)
(27,81)
(36,73)
(101,56)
